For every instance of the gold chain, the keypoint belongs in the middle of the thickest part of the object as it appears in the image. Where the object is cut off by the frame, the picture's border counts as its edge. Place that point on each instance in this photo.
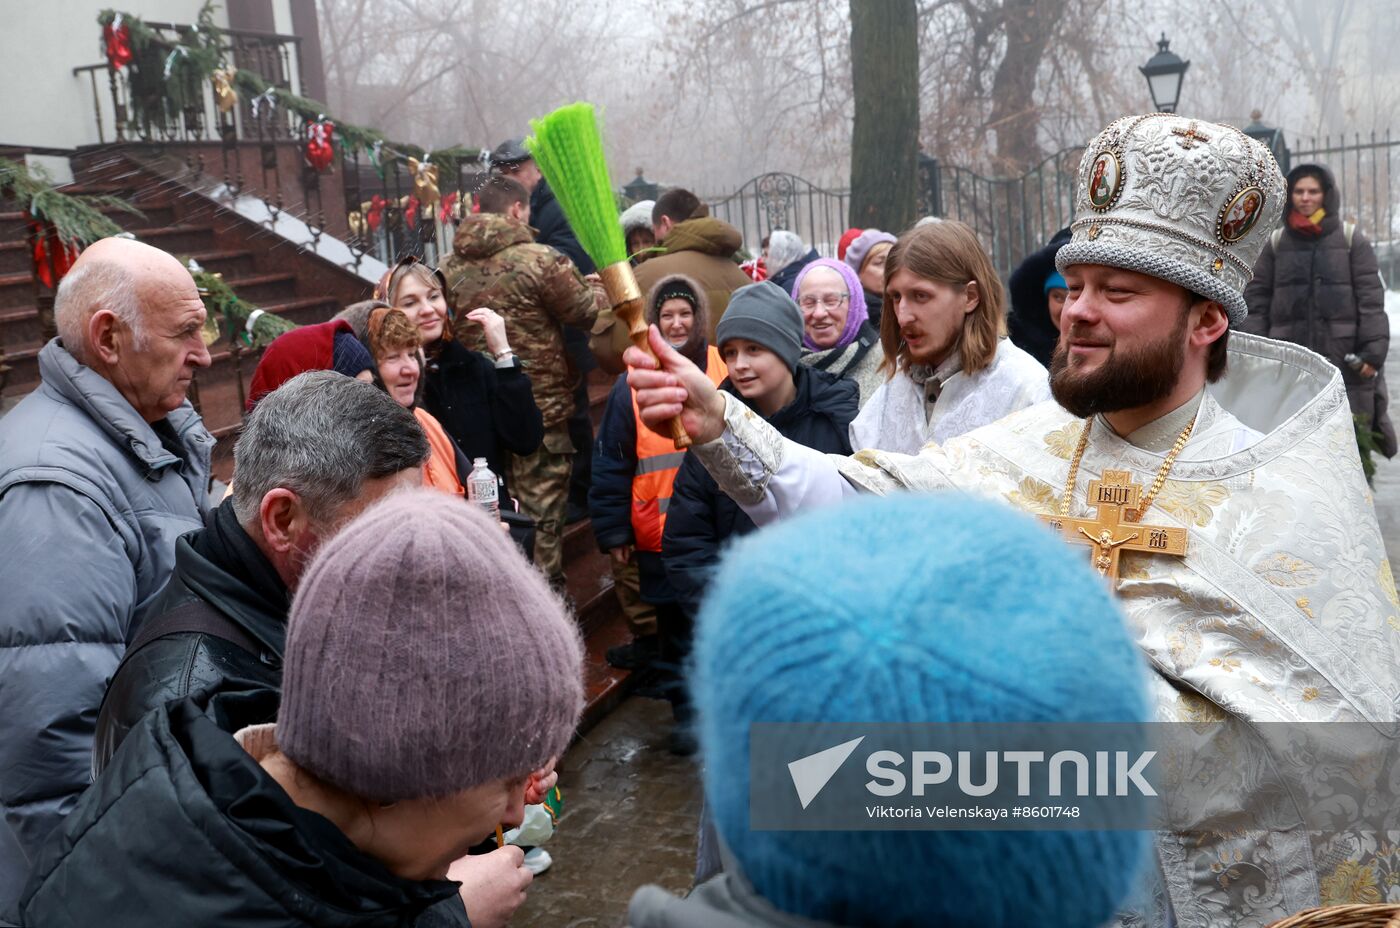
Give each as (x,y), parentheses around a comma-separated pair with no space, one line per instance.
(1161,478)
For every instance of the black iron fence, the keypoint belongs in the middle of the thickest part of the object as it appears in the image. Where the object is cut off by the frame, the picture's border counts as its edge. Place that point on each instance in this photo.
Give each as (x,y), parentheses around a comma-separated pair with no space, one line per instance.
(381,206)
(785,201)
(1013,216)
(168,108)
(390,217)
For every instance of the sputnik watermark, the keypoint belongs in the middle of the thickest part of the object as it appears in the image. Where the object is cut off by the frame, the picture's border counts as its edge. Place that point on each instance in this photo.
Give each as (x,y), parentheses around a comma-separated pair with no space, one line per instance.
(1116,773)
(1329,777)
(954,776)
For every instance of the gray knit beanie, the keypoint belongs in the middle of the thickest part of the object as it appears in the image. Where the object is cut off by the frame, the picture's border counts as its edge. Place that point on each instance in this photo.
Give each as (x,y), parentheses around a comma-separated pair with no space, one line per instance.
(425,656)
(763,313)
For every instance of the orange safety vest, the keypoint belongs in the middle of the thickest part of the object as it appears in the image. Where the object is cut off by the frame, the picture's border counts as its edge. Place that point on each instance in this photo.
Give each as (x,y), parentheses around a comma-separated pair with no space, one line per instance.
(658,462)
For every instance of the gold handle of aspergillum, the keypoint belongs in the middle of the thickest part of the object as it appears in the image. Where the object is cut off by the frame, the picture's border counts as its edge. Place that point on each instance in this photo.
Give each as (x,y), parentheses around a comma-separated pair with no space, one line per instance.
(628,306)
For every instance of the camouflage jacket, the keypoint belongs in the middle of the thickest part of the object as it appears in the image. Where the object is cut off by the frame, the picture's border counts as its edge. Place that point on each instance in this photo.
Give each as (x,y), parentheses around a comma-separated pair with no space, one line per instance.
(495,262)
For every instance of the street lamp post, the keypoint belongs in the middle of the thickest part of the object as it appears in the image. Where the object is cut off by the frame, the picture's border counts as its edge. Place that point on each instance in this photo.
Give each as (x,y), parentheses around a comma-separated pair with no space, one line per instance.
(1164,72)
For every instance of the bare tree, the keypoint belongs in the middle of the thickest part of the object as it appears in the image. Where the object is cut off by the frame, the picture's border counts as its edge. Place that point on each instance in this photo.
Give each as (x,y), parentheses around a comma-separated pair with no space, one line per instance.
(885,137)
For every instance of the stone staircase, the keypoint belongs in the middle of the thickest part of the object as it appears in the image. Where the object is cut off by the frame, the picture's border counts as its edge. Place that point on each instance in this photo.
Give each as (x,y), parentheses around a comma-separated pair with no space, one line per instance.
(280,277)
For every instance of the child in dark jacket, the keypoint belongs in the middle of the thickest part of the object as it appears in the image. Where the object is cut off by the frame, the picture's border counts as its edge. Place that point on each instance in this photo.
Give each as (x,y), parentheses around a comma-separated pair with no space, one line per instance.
(760,340)
(633,472)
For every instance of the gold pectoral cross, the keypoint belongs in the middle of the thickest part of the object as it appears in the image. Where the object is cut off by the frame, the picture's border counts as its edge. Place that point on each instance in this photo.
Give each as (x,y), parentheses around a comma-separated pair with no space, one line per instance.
(1116,530)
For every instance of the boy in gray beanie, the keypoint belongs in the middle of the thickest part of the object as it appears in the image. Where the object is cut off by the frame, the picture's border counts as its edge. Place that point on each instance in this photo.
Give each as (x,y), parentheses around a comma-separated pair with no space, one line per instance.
(764,314)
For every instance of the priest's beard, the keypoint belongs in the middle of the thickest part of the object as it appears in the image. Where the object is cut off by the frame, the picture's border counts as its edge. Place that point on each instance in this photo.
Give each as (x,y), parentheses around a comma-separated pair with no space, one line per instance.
(1125,380)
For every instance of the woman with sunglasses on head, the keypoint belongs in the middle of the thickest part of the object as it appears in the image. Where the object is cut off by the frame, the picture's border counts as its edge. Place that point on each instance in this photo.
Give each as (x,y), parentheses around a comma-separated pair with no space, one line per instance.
(486,404)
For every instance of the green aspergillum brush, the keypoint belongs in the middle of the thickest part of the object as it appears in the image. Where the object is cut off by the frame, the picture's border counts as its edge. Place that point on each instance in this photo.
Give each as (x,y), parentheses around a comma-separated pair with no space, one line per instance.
(568,149)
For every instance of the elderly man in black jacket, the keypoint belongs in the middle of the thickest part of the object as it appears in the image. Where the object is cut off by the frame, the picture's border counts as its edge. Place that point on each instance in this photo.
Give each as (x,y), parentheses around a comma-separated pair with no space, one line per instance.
(313,453)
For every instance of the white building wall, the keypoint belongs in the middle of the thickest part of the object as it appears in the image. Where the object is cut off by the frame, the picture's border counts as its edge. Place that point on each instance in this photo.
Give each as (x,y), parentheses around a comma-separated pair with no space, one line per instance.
(42,103)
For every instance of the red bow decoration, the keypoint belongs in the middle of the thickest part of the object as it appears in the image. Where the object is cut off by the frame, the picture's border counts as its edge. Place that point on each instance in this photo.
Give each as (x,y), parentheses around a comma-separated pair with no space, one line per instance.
(320,144)
(410,212)
(117,37)
(51,255)
(375,214)
(449,207)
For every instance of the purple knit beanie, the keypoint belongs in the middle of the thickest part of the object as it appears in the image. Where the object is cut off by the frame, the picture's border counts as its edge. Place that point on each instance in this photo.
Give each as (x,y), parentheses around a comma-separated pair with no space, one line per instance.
(857,251)
(425,656)
(858,313)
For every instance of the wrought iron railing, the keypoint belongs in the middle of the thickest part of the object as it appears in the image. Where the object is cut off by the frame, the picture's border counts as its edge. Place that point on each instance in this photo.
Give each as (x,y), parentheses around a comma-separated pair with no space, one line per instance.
(377,210)
(388,218)
(1013,216)
(135,116)
(785,201)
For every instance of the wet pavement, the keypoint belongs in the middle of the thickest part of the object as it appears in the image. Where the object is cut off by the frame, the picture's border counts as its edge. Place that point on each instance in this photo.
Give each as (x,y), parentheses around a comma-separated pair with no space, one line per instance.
(630,810)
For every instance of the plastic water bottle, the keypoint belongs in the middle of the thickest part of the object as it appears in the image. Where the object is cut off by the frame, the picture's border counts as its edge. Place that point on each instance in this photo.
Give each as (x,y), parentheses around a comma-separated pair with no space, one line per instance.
(483,489)
(1355,362)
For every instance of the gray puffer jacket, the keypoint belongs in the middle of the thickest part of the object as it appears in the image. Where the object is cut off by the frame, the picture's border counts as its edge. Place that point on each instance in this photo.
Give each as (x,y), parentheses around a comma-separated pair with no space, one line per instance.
(1324,293)
(91,503)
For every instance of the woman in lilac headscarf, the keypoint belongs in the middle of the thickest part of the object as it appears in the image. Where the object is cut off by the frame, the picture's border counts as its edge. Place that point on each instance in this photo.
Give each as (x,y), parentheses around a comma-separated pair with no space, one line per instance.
(836,333)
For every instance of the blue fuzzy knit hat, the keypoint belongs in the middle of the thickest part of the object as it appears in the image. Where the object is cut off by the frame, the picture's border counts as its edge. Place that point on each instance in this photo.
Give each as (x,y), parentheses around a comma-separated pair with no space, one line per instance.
(914,608)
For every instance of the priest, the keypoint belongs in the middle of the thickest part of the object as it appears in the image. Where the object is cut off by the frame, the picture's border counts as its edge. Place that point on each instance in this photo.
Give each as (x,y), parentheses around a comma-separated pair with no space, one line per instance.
(1211,476)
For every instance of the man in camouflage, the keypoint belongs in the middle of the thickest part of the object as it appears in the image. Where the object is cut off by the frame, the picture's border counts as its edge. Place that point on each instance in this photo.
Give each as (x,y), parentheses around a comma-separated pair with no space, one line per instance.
(495,262)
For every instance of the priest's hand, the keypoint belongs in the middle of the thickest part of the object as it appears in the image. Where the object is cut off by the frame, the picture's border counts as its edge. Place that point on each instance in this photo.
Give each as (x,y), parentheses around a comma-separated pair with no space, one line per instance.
(674,387)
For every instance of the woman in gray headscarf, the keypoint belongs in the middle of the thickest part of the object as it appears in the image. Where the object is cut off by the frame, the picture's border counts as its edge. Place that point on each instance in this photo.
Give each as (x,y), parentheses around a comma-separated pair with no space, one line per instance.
(787,254)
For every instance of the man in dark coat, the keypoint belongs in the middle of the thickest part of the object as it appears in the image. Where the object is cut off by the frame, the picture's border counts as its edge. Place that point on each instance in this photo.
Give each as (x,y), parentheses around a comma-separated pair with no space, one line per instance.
(1032,286)
(313,453)
(1317,284)
(247,855)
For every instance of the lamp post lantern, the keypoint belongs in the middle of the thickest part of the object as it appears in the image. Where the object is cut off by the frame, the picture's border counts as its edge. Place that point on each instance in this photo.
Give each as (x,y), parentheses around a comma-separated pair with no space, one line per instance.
(1271,137)
(640,189)
(1164,72)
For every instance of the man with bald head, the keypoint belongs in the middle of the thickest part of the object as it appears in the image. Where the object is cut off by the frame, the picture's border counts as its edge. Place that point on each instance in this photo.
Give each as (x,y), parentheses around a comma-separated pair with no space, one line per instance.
(101,469)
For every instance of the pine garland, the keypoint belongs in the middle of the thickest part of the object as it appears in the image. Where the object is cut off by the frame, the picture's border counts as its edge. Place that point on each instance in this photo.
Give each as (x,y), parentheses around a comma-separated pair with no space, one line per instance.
(1366,445)
(78,219)
(166,78)
(352,138)
(220,301)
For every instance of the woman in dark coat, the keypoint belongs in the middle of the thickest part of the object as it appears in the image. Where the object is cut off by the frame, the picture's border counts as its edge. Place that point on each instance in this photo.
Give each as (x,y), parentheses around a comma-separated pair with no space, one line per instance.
(485,404)
(1318,285)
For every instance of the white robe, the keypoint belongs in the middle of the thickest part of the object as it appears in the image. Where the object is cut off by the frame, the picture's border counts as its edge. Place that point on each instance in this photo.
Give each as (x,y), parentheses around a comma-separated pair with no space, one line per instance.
(898,417)
(1284,608)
